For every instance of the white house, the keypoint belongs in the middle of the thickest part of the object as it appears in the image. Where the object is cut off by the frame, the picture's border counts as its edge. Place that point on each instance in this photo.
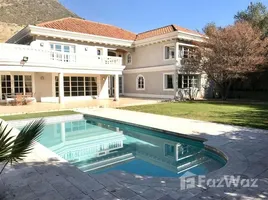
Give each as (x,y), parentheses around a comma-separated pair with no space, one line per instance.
(74,59)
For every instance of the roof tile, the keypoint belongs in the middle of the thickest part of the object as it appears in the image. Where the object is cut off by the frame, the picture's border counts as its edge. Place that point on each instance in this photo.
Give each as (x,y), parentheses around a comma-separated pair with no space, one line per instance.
(94,28)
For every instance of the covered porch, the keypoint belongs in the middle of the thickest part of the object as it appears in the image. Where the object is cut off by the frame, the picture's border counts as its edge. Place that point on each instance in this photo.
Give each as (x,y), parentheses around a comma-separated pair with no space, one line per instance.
(59,87)
(95,103)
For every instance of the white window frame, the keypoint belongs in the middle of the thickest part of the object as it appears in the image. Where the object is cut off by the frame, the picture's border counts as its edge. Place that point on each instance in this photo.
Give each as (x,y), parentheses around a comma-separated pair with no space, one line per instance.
(129,63)
(13,82)
(137,82)
(188,81)
(164,52)
(164,82)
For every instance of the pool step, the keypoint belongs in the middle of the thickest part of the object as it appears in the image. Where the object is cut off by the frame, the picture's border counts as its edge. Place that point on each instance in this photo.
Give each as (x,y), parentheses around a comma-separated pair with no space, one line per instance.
(104,163)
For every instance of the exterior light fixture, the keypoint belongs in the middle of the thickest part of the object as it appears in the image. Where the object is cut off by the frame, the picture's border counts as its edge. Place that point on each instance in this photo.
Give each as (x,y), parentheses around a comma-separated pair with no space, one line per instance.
(25,58)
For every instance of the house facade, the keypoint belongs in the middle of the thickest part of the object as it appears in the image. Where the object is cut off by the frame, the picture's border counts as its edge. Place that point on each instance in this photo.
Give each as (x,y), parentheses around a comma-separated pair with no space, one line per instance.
(74,59)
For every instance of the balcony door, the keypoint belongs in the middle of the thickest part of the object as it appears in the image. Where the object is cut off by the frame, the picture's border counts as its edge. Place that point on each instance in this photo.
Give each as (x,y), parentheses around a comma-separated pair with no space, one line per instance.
(111,85)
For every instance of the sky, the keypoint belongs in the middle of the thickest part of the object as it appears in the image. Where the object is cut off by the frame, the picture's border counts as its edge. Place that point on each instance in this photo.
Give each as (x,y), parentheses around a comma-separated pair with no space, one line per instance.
(143,15)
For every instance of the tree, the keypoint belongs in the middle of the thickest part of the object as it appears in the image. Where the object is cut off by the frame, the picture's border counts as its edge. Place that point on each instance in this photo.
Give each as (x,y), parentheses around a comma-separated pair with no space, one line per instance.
(14,149)
(255,14)
(229,53)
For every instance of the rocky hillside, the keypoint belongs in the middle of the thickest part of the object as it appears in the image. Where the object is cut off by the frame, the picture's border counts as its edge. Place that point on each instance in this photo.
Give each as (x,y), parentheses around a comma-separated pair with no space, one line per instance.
(15,14)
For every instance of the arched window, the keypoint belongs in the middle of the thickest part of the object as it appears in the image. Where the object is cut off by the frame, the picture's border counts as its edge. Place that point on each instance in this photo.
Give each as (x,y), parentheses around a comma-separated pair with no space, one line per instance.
(140,82)
(129,58)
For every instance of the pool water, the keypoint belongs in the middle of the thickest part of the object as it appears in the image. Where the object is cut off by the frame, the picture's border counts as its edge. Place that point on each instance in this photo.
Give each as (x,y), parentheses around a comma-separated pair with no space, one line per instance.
(98,146)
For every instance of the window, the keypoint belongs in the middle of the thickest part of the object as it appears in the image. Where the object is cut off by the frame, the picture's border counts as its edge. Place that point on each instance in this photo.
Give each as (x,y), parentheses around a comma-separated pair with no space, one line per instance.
(99,52)
(168,81)
(77,86)
(18,84)
(22,84)
(140,82)
(186,52)
(169,150)
(5,85)
(169,52)
(187,81)
(28,84)
(62,52)
(129,58)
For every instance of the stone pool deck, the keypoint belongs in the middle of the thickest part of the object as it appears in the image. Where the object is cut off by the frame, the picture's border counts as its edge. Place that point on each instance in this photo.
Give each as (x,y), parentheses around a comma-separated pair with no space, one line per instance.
(43,175)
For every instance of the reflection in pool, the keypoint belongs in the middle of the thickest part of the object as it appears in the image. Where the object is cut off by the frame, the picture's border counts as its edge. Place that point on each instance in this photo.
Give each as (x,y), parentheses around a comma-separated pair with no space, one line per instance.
(97,146)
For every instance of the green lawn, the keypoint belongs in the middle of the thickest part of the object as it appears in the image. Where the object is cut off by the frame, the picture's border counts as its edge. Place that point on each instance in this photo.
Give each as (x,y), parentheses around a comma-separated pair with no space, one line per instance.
(36,115)
(249,115)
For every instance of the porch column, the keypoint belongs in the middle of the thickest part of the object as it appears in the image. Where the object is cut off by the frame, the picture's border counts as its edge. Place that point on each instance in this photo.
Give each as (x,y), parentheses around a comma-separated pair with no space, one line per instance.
(61,88)
(176,71)
(116,87)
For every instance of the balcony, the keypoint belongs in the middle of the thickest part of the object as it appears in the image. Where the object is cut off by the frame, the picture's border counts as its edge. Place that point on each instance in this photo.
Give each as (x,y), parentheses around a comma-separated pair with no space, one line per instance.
(12,55)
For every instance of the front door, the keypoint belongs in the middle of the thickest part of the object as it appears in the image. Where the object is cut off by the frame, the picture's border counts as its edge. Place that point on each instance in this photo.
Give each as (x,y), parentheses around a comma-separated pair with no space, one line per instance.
(111,85)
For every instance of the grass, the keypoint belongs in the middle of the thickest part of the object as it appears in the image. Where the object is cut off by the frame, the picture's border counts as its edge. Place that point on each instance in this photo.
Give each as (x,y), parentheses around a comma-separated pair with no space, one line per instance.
(248,115)
(37,115)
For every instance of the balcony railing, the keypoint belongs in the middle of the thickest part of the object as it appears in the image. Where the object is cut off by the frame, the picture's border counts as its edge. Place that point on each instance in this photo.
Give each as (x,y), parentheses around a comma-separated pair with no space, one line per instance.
(15,53)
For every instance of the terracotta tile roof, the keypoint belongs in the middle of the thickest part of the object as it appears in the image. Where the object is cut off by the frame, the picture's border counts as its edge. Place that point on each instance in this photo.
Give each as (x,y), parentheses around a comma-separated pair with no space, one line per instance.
(94,28)
(89,27)
(164,30)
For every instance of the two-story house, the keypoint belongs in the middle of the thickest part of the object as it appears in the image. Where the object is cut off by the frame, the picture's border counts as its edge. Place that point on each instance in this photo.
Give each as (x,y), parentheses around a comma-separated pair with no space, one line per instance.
(74,59)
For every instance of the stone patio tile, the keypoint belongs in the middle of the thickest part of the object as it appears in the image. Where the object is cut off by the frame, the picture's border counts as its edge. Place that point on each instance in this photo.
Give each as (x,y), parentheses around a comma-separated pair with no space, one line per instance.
(51,195)
(152,194)
(105,179)
(122,193)
(23,193)
(86,185)
(137,198)
(99,194)
(166,197)
(41,188)
(137,188)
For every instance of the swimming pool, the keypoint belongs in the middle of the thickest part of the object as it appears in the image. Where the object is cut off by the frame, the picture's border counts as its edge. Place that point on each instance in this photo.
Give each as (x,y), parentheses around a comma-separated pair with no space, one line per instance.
(97,145)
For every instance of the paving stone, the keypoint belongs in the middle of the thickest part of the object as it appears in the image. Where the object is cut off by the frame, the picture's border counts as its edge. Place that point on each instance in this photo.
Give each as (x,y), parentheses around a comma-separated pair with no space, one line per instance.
(41,188)
(137,198)
(152,194)
(123,193)
(51,195)
(86,185)
(138,188)
(99,194)
(166,197)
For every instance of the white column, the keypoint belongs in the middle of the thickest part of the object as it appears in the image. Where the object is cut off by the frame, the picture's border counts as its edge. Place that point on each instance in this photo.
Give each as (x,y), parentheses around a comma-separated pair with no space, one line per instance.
(62,131)
(61,88)
(116,87)
(177,64)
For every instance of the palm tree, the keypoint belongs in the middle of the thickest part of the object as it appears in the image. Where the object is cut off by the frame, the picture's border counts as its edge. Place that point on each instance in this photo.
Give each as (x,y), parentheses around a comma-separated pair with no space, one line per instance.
(14,149)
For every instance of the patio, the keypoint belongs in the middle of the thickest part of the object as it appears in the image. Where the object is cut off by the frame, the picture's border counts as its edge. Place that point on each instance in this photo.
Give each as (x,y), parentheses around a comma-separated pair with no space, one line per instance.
(45,107)
(44,175)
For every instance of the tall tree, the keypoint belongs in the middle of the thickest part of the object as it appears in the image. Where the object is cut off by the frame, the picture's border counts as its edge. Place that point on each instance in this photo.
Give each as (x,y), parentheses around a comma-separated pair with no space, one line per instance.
(257,15)
(229,53)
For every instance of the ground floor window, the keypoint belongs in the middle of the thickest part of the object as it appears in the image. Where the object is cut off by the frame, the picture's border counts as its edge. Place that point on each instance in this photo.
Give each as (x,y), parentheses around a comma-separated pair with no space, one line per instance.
(77,86)
(16,84)
(140,82)
(168,81)
(187,81)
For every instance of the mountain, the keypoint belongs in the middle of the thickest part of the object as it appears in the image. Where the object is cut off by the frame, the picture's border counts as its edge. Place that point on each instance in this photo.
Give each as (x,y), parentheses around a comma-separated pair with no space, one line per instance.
(15,14)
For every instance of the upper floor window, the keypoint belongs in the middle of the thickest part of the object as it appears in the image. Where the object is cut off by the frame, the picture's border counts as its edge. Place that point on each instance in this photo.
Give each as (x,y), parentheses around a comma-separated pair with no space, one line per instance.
(64,53)
(129,58)
(186,52)
(168,81)
(140,82)
(99,52)
(169,52)
(62,48)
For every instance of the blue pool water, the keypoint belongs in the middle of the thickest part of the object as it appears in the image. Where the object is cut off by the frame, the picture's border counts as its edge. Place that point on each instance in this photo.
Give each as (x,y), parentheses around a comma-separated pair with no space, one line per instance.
(98,146)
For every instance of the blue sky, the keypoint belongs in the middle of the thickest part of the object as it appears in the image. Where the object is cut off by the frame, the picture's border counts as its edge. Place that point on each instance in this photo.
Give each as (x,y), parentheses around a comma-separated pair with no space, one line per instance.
(143,15)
